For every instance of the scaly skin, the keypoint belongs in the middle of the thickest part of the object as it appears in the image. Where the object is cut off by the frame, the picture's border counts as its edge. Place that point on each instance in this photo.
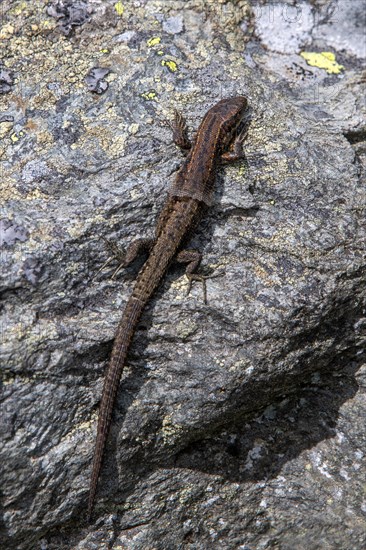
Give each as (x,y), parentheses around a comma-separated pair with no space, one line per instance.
(192,190)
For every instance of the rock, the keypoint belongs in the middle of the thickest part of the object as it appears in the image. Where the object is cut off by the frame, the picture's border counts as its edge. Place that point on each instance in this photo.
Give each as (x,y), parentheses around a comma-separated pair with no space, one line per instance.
(173,25)
(238,424)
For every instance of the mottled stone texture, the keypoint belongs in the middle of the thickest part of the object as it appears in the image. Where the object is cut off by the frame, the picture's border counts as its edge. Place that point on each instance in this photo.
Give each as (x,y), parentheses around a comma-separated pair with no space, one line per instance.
(239,424)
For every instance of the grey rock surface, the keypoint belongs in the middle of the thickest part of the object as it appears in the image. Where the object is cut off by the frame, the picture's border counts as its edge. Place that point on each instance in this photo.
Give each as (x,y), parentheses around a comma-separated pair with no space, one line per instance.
(238,424)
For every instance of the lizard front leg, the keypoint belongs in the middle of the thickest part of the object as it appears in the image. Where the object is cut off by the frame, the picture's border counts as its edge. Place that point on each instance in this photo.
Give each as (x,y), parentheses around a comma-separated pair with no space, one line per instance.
(235,151)
(180,131)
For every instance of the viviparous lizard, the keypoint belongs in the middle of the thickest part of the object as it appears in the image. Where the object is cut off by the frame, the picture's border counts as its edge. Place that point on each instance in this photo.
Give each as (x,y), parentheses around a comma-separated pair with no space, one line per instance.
(219,138)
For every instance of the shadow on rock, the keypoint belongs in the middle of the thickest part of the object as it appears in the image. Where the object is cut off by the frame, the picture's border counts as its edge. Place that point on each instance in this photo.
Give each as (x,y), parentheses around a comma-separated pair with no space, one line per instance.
(257,448)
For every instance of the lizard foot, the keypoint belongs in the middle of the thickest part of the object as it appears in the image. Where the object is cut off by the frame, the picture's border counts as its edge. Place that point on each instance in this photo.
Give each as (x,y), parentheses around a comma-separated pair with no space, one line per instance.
(125,257)
(202,278)
(116,254)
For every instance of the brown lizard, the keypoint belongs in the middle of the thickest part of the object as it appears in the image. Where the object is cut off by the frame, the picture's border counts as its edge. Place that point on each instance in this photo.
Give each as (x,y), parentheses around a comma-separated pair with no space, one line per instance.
(218,139)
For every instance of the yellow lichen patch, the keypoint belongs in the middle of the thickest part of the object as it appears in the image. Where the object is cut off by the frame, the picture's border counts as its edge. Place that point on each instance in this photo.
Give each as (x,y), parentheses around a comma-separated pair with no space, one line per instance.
(82,427)
(118,6)
(150,95)
(115,145)
(186,494)
(153,41)
(185,329)
(6,31)
(44,138)
(263,274)
(36,194)
(5,128)
(46,24)
(169,430)
(8,192)
(19,9)
(44,98)
(12,380)
(16,137)
(170,64)
(323,60)
(133,128)
(243,365)
(75,229)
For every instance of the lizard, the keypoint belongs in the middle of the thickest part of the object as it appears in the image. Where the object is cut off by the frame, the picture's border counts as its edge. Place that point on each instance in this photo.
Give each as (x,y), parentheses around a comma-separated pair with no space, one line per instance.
(219,138)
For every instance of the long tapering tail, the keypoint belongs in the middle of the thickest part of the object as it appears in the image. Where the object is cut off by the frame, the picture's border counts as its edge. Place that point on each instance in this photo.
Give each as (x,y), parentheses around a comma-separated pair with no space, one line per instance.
(122,341)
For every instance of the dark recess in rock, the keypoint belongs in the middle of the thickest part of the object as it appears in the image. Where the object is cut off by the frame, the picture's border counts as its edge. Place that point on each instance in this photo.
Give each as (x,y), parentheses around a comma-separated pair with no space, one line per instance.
(69,14)
(94,80)
(6,80)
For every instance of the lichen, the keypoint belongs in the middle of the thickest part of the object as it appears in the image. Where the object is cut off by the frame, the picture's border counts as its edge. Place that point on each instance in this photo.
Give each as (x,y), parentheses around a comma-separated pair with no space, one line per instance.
(323,60)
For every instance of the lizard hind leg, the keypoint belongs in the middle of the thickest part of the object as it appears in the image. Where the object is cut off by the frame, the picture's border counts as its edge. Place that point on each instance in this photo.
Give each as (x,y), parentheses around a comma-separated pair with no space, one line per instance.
(193,259)
(125,258)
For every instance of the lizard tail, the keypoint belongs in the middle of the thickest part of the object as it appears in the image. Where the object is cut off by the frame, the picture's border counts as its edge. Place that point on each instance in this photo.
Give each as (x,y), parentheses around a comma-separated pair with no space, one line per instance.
(122,341)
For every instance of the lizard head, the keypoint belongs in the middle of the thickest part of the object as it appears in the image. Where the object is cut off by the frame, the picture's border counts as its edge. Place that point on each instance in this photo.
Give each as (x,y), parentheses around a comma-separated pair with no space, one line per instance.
(232,111)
